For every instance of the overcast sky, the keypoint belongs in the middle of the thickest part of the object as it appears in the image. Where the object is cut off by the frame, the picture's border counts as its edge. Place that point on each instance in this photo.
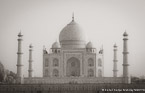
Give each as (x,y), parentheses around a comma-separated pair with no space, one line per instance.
(104,22)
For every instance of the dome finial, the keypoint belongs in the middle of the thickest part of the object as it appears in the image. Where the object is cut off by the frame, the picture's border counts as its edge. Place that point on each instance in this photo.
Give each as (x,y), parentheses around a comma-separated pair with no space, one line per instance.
(30,46)
(125,33)
(115,45)
(73,16)
(20,34)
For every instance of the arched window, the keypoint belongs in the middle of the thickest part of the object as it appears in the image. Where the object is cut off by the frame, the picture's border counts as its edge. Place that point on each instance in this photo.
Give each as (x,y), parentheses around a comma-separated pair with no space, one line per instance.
(99,73)
(55,62)
(55,51)
(55,73)
(46,73)
(46,62)
(90,73)
(90,62)
(58,51)
(99,62)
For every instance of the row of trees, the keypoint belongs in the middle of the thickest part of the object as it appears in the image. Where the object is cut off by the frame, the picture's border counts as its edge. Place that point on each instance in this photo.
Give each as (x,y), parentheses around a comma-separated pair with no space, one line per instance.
(9,77)
(6,76)
(137,80)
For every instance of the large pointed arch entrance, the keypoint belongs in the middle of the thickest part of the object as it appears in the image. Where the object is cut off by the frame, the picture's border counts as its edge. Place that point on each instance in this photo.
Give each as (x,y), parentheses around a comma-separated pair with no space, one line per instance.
(73,67)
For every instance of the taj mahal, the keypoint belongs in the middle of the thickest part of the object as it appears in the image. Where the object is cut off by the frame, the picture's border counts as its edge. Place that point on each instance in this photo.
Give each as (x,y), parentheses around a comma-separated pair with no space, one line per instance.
(72,60)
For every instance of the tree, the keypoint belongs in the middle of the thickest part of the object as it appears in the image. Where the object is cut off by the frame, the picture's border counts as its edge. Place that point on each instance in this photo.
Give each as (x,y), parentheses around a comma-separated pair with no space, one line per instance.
(10,77)
(6,76)
(2,72)
(134,79)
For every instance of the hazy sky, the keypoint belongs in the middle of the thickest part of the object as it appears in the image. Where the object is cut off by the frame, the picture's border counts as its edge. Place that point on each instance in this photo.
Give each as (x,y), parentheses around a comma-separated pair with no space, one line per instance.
(104,22)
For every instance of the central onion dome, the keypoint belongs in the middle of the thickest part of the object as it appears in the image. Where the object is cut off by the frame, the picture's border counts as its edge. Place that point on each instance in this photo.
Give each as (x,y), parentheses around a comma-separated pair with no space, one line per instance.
(72,36)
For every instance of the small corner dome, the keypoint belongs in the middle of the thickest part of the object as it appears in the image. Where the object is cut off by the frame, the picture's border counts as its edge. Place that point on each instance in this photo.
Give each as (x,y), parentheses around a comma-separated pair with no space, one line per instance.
(72,32)
(89,45)
(55,45)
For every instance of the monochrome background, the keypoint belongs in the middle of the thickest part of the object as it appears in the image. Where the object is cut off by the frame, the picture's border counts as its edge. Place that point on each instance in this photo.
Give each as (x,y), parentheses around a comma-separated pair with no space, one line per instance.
(104,22)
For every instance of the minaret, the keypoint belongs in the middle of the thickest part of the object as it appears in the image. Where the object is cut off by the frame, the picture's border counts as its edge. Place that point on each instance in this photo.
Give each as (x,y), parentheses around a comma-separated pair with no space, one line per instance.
(126,78)
(115,61)
(30,70)
(19,59)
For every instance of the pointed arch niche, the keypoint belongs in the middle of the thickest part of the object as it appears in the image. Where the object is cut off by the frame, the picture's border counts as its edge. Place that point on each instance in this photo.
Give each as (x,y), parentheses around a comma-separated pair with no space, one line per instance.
(55,62)
(99,62)
(73,67)
(90,73)
(90,62)
(55,73)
